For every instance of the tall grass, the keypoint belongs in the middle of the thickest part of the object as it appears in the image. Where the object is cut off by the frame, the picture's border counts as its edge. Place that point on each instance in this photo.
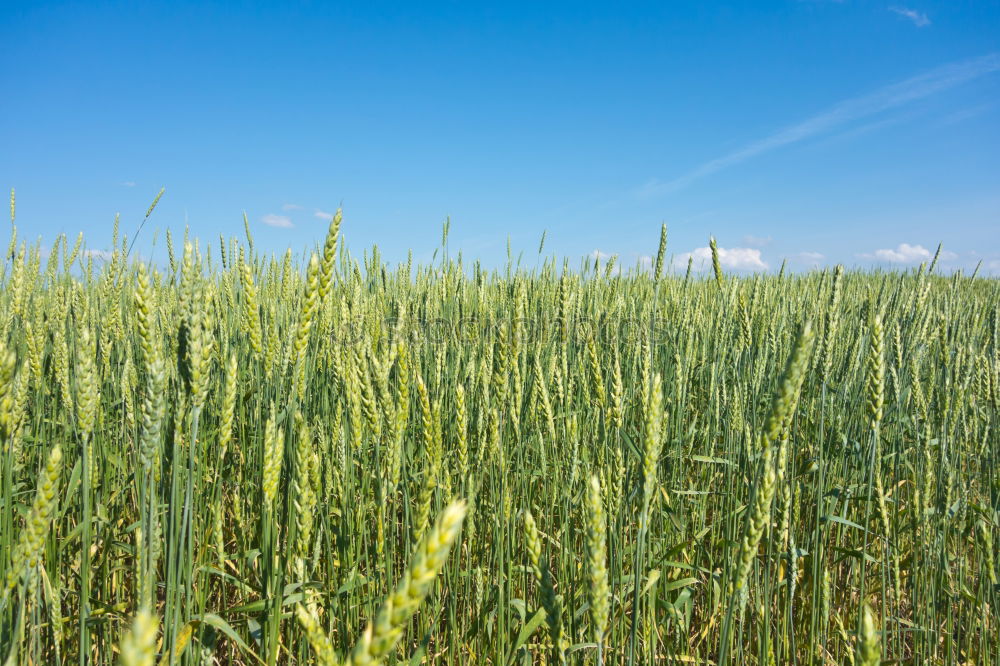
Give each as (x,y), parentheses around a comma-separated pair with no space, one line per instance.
(244,458)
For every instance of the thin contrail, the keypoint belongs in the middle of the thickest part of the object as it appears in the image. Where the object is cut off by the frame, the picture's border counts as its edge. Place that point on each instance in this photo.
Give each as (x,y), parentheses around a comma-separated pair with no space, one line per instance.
(890,97)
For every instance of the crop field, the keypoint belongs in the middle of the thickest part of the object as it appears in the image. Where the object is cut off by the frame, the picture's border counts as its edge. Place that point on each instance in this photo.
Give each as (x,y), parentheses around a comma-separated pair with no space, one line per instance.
(224,456)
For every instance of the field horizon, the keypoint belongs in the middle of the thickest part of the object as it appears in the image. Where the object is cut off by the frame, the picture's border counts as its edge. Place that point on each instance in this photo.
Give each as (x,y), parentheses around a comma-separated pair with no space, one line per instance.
(248,458)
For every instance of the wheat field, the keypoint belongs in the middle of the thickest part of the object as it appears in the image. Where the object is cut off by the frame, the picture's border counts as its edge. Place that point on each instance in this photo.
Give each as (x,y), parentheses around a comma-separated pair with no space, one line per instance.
(240,458)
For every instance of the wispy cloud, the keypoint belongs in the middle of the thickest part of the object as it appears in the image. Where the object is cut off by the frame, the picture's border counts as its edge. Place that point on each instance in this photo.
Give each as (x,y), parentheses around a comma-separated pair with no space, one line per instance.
(279,221)
(861,129)
(733,258)
(756,241)
(290,206)
(968,113)
(904,253)
(808,258)
(598,256)
(890,97)
(918,19)
(100,255)
(641,261)
(128,183)
(323,215)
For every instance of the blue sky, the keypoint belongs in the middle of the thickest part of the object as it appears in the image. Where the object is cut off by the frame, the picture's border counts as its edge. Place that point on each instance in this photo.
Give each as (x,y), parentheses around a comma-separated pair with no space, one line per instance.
(817,131)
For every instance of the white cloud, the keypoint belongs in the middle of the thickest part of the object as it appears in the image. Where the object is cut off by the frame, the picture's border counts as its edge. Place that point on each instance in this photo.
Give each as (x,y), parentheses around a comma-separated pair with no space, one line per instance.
(280,221)
(599,256)
(128,183)
(650,188)
(734,258)
(323,215)
(968,113)
(884,99)
(904,253)
(100,255)
(756,241)
(290,206)
(642,261)
(918,19)
(811,258)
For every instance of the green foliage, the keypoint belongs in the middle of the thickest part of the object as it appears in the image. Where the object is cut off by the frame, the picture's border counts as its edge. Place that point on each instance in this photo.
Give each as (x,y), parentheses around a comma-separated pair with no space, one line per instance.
(256,461)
